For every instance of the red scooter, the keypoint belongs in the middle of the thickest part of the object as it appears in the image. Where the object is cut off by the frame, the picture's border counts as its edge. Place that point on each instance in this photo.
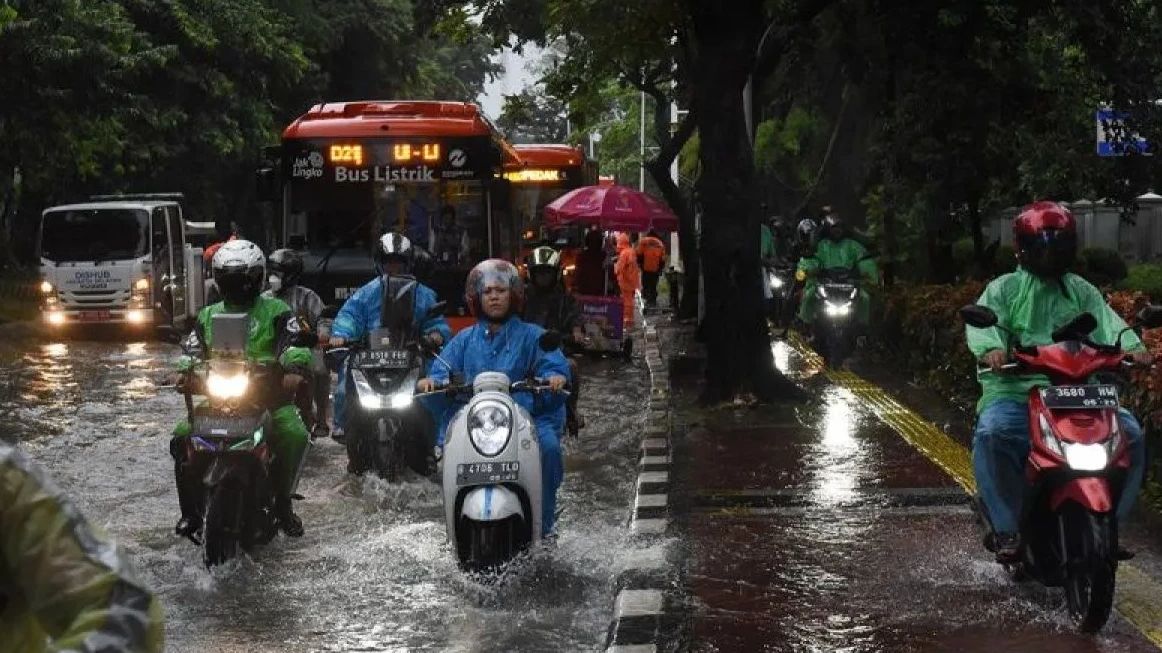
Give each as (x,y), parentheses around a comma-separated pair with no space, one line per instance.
(1077,466)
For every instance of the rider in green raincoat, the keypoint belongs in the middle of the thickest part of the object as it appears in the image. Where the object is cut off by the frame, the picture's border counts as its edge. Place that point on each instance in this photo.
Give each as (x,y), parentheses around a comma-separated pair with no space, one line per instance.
(63,586)
(239,271)
(835,250)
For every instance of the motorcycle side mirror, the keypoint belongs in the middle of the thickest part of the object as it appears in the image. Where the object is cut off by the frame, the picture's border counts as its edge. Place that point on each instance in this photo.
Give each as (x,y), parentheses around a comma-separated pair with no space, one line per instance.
(1077,328)
(1150,317)
(981,317)
(436,310)
(549,341)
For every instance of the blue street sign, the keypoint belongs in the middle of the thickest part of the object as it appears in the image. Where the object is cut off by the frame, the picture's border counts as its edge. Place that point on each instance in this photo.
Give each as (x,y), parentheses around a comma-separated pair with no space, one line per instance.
(1110,122)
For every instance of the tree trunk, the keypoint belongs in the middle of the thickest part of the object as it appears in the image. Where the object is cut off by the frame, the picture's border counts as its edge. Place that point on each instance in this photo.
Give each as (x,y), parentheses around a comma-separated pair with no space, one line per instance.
(735,329)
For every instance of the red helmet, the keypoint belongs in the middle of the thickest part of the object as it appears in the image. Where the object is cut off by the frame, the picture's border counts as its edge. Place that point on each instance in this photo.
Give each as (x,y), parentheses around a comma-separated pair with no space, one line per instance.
(1046,237)
(494,271)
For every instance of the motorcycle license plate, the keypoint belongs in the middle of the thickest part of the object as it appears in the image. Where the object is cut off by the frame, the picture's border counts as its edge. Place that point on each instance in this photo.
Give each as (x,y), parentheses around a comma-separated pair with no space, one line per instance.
(486,473)
(1080,396)
(222,426)
(393,358)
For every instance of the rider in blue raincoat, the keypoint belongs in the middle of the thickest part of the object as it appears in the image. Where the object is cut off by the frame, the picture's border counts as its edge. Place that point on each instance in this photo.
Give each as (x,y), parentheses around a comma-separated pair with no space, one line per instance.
(501,342)
(364,310)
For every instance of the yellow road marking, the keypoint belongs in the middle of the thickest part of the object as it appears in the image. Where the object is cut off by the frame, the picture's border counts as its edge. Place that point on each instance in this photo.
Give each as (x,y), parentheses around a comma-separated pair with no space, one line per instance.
(1139,596)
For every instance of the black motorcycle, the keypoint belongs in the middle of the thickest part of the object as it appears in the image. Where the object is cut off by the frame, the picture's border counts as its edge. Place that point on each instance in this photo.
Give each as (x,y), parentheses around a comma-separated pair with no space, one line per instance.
(227,449)
(780,279)
(386,428)
(835,325)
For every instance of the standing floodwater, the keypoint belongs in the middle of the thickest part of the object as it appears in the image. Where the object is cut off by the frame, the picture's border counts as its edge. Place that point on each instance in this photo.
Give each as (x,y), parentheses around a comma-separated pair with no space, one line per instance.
(373,572)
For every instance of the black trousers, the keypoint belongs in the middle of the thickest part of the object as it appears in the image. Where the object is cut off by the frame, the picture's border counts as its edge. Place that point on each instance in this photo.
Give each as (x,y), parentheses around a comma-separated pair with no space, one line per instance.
(650,287)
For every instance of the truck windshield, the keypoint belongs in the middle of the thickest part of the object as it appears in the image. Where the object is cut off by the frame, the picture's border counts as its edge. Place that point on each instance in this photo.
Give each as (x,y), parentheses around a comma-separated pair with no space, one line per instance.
(94,234)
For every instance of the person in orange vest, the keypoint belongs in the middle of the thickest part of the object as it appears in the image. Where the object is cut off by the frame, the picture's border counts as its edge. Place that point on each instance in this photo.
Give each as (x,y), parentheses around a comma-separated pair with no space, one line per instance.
(628,274)
(651,255)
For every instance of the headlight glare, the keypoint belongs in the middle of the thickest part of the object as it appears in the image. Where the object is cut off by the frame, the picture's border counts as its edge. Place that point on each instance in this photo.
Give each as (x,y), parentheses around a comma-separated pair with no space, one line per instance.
(832,309)
(1086,457)
(489,425)
(221,386)
(401,399)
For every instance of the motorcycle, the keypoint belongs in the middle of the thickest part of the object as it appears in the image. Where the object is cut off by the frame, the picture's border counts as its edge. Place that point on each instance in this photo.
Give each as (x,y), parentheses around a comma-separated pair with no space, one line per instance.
(1076,468)
(227,449)
(492,471)
(386,428)
(780,295)
(835,316)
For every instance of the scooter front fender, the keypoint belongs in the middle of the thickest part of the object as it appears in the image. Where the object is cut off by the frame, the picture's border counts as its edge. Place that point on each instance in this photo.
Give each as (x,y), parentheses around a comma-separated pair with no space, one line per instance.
(1089,492)
(491,503)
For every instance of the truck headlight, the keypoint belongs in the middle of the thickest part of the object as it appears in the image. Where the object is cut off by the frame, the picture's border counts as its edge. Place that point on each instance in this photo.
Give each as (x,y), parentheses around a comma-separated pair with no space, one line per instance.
(489,425)
(222,386)
(55,318)
(46,287)
(142,284)
(1086,457)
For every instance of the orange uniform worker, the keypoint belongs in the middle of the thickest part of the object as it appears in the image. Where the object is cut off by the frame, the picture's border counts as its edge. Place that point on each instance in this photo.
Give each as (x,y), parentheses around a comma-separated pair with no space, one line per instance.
(651,255)
(629,277)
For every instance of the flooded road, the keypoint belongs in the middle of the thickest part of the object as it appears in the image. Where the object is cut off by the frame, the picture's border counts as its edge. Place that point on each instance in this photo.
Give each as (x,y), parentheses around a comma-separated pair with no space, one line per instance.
(373,572)
(817,527)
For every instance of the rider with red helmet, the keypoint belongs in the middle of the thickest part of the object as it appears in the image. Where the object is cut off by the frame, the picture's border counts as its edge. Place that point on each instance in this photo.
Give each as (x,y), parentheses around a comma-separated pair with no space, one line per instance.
(501,342)
(1040,296)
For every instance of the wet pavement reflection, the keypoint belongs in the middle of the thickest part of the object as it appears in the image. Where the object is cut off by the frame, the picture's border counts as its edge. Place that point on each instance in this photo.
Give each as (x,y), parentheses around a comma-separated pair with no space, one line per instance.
(817,528)
(373,572)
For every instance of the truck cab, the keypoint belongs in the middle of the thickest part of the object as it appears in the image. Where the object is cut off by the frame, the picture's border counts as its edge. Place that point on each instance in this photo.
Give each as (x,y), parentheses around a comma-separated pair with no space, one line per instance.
(121,260)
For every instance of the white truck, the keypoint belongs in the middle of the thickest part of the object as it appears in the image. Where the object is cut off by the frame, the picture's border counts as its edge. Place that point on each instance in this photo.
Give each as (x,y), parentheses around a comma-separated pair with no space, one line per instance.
(119,259)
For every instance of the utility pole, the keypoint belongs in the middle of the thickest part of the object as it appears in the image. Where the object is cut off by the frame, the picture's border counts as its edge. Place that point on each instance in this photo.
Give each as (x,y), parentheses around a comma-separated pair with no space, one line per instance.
(642,148)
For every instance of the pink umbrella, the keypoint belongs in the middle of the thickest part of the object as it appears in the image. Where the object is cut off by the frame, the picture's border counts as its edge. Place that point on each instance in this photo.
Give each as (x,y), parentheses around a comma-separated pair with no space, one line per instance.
(611,208)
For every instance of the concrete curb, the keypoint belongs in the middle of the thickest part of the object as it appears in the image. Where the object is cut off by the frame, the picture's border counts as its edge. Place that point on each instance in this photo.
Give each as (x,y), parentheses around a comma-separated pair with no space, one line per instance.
(642,601)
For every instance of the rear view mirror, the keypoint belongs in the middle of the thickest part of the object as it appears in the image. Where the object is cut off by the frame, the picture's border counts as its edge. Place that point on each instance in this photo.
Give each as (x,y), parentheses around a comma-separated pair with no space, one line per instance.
(549,341)
(436,310)
(1077,328)
(1150,317)
(981,317)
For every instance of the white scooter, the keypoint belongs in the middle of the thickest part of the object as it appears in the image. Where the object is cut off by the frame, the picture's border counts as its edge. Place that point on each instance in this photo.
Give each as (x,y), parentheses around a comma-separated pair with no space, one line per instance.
(492,472)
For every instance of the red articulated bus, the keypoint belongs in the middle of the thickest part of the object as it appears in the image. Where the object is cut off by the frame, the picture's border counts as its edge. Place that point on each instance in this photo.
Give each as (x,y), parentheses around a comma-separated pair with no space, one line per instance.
(347,172)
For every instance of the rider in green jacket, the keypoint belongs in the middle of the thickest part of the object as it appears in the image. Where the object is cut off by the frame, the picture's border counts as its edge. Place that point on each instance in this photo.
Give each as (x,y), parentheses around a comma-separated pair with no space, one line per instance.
(239,271)
(835,250)
(63,586)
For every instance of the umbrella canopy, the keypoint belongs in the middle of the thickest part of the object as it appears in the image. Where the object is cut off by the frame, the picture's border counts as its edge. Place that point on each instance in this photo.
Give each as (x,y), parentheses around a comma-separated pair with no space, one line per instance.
(611,208)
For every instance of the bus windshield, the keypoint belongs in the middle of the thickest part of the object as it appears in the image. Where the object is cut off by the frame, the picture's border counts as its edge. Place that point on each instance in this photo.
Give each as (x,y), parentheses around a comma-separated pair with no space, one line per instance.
(94,235)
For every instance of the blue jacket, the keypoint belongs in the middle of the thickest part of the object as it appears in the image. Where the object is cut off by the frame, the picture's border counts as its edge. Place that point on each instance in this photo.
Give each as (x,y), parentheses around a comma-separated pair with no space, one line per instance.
(515,351)
(361,312)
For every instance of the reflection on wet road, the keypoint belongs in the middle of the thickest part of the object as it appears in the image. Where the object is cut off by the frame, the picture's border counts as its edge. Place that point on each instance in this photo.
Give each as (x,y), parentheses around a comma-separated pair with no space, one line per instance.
(373,572)
(818,528)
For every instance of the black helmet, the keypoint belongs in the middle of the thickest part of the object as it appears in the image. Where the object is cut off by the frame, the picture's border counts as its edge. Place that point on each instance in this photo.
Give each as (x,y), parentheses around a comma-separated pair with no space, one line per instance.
(287,264)
(239,269)
(831,224)
(541,259)
(394,246)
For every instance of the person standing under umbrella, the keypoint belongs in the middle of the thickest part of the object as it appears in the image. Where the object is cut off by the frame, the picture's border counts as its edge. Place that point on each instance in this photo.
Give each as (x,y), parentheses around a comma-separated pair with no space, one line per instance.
(629,276)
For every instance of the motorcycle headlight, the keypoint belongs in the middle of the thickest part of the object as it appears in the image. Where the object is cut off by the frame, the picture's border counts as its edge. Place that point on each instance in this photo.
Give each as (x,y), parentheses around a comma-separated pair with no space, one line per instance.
(1087,457)
(776,282)
(223,386)
(832,309)
(821,293)
(489,425)
(401,399)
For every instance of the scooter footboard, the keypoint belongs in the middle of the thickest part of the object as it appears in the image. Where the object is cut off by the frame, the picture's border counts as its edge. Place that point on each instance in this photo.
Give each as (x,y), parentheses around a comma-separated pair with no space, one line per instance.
(1091,492)
(491,503)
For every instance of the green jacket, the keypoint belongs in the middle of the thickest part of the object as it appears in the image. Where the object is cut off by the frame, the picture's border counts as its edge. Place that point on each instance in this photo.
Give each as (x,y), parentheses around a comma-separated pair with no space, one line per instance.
(1033,308)
(272,335)
(846,253)
(63,586)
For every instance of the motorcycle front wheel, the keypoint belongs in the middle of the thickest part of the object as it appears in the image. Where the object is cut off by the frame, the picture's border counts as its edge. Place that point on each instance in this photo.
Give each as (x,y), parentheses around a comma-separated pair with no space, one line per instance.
(223,524)
(1091,567)
(490,545)
(388,453)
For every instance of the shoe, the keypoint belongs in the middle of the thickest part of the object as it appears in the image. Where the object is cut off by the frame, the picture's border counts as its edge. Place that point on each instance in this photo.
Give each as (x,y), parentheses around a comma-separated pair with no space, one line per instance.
(1008,548)
(288,521)
(188,526)
(338,435)
(573,426)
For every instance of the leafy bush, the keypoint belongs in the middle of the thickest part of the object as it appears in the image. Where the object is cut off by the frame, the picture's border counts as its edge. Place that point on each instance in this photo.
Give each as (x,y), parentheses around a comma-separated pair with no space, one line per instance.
(1006,260)
(1144,278)
(1102,267)
(962,255)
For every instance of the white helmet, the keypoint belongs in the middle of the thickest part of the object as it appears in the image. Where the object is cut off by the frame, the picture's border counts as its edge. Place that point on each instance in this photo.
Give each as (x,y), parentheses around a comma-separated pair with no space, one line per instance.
(239,270)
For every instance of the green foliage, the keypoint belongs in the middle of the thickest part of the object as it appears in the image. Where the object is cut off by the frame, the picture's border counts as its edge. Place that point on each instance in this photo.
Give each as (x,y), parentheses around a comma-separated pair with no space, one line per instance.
(1145,278)
(1006,260)
(963,254)
(1102,267)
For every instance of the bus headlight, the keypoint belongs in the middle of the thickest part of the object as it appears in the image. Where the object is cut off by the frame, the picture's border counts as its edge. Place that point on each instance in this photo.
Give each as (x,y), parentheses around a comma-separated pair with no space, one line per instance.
(489,425)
